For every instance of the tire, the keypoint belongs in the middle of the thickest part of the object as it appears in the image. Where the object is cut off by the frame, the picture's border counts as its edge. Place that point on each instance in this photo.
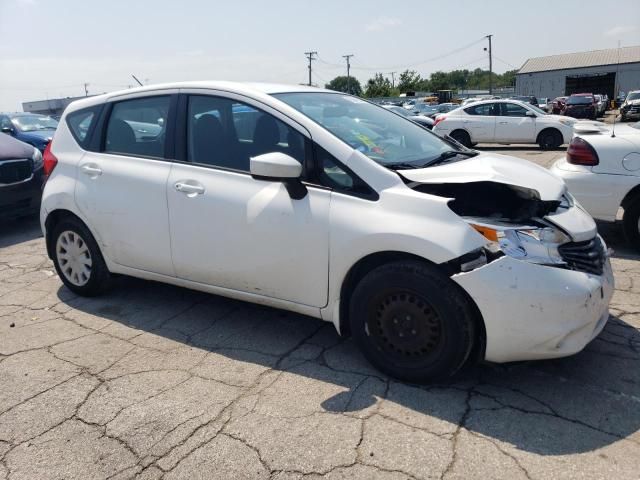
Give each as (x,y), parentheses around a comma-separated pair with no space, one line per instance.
(462,137)
(412,322)
(550,139)
(78,259)
(631,223)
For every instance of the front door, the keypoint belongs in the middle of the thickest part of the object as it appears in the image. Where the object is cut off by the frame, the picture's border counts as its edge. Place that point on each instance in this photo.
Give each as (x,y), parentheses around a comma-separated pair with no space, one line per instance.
(513,124)
(121,190)
(230,230)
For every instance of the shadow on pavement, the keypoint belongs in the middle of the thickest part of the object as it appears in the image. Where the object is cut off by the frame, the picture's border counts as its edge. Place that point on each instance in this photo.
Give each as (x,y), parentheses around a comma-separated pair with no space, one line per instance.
(19,230)
(558,407)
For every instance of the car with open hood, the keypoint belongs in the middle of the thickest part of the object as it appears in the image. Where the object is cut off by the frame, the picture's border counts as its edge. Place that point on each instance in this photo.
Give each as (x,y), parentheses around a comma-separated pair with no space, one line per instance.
(429,254)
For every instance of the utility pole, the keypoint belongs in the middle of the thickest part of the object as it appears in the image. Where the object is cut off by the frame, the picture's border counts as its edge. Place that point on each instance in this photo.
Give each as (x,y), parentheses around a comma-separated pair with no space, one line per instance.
(347,57)
(393,79)
(490,67)
(310,57)
(86,90)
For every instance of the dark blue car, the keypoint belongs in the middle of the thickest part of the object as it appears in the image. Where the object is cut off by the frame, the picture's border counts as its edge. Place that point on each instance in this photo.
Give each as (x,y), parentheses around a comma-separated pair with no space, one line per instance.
(31,128)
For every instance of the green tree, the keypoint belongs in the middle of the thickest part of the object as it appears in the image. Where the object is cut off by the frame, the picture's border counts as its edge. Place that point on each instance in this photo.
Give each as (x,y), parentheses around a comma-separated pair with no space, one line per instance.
(410,81)
(345,84)
(378,86)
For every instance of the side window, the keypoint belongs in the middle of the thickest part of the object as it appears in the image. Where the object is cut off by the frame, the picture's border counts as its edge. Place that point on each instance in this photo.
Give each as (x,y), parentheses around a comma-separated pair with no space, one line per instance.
(513,110)
(80,122)
(5,122)
(137,127)
(226,133)
(485,110)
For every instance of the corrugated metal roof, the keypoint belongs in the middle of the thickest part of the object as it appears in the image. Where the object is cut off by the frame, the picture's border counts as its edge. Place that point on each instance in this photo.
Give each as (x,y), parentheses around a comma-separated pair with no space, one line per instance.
(592,58)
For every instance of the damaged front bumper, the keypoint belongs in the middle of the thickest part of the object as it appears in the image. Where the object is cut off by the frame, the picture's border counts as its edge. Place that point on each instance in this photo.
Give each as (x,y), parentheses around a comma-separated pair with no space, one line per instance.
(535,311)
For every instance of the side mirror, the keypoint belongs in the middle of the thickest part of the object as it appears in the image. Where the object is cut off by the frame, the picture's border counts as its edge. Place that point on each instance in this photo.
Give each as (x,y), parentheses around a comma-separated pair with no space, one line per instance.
(279,167)
(530,114)
(8,130)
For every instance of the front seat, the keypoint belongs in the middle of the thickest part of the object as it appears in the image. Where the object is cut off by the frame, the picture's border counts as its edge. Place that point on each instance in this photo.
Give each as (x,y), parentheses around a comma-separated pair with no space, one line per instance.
(209,142)
(266,136)
(120,137)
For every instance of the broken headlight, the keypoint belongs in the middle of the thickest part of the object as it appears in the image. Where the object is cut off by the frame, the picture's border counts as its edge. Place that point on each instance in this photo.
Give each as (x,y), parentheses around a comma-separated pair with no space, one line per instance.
(533,244)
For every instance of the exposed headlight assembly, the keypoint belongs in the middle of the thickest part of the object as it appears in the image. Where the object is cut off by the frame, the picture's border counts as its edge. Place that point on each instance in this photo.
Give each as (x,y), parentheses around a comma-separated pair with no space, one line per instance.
(533,244)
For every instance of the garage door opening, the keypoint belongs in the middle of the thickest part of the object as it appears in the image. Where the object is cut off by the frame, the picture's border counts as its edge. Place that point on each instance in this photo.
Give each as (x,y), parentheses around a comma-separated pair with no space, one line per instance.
(603,83)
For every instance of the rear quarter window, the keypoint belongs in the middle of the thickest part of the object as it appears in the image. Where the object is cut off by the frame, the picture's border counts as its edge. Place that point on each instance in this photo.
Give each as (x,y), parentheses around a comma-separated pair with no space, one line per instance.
(81,124)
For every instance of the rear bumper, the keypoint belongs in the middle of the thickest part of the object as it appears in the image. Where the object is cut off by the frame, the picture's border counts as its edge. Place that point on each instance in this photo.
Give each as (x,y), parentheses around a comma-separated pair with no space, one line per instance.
(535,312)
(22,198)
(599,194)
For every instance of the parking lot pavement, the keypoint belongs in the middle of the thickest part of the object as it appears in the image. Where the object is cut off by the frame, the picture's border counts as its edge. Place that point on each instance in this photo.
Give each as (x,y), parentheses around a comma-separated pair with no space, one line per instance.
(153,381)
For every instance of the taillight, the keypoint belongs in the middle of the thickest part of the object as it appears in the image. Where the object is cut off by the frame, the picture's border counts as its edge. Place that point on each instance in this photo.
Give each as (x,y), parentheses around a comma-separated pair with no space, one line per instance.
(50,160)
(438,120)
(580,152)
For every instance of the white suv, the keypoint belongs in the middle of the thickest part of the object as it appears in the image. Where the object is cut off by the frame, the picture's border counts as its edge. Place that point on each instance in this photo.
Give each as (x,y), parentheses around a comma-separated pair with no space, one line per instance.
(321,203)
(505,121)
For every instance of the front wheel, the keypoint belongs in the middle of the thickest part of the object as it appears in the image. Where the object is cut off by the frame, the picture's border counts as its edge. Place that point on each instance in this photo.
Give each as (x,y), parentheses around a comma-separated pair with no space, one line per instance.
(550,139)
(412,322)
(631,223)
(78,260)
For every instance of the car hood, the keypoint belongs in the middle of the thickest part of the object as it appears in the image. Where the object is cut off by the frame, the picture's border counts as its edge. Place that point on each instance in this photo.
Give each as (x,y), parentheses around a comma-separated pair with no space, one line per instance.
(490,167)
(633,102)
(36,135)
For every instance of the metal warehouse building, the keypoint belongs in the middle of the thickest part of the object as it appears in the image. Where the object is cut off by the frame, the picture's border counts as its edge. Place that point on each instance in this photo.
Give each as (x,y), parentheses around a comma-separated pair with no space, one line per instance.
(583,72)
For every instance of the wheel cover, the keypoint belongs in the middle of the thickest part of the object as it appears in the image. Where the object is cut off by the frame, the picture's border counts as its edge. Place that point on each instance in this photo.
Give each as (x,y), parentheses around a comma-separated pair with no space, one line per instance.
(405,327)
(74,258)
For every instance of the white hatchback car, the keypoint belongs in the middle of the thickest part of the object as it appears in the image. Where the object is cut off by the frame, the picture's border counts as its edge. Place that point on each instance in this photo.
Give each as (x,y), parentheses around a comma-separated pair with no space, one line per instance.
(504,121)
(325,204)
(602,170)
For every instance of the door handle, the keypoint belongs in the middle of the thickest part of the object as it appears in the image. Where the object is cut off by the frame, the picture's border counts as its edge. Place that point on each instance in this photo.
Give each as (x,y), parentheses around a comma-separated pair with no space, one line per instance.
(91,170)
(503,123)
(189,189)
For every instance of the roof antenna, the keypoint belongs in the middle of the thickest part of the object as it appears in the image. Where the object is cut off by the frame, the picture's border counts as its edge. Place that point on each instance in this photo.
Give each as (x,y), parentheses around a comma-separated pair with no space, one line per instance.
(613,129)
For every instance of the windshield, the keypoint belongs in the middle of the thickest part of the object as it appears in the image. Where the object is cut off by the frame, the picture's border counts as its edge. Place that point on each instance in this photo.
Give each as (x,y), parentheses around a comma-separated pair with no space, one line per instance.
(633,96)
(383,136)
(30,123)
(539,111)
(579,100)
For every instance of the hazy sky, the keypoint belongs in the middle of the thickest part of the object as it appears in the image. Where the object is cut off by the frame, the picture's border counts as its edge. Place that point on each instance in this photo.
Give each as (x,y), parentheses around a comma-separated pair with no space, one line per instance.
(49,48)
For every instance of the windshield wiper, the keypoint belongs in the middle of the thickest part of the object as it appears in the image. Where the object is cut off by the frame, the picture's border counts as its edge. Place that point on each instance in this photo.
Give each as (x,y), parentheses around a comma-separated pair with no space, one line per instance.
(402,166)
(444,156)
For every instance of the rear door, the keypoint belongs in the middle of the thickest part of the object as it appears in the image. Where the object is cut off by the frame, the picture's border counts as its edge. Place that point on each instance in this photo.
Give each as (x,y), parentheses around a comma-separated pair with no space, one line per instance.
(121,182)
(480,121)
(513,124)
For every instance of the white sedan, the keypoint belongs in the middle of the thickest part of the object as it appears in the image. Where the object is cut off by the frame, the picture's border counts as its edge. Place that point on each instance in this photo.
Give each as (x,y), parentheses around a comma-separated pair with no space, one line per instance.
(602,171)
(504,121)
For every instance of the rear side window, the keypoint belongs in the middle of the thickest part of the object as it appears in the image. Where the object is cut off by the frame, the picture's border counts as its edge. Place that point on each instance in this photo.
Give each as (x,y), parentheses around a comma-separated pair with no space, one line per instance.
(486,109)
(137,127)
(80,124)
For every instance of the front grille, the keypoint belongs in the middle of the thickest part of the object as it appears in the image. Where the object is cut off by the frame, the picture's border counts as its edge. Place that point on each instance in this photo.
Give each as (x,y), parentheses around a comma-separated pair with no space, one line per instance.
(14,171)
(588,256)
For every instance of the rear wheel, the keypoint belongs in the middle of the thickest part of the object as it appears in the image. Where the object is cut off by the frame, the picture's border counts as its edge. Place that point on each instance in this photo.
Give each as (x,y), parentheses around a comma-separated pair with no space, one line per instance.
(411,321)
(77,258)
(462,137)
(631,222)
(550,139)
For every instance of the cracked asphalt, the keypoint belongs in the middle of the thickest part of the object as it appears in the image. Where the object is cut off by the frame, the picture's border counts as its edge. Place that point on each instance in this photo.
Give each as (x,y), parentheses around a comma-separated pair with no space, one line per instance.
(152,381)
